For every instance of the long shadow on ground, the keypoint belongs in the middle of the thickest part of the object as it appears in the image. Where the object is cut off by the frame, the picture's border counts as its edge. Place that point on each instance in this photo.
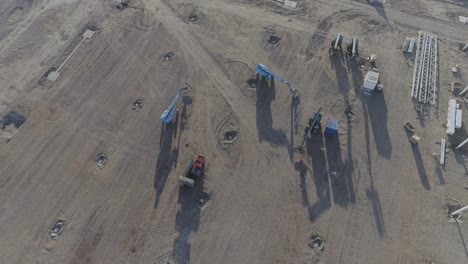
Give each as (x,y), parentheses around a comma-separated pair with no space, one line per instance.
(340,176)
(420,166)
(316,155)
(168,155)
(376,110)
(373,195)
(265,96)
(379,7)
(341,172)
(165,159)
(187,219)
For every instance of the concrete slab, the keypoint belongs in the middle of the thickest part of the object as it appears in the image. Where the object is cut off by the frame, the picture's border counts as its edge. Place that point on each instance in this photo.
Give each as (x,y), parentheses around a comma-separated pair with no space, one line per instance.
(53,76)
(88,34)
(291,4)
(463,19)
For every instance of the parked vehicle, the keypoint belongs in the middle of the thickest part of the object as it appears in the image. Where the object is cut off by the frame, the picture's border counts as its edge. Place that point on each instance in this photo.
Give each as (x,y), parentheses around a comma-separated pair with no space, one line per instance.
(192,171)
(409,126)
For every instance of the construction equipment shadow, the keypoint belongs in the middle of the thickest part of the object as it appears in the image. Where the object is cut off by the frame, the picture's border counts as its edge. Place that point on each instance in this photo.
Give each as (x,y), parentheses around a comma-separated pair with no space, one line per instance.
(341,67)
(460,154)
(420,166)
(316,157)
(462,238)
(439,169)
(373,196)
(340,173)
(166,157)
(188,218)
(375,112)
(342,70)
(379,7)
(294,125)
(265,96)
(186,101)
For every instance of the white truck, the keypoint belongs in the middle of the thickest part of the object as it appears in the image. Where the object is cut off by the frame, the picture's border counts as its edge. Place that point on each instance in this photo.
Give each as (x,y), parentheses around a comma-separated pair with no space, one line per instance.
(371,82)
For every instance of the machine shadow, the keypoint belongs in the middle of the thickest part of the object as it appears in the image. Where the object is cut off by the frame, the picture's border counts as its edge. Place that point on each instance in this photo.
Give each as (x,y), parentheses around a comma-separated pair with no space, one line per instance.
(340,176)
(462,238)
(376,109)
(165,159)
(188,219)
(373,196)
(440,173)
(339,64)
(379,7)
(168,156)
(265,96)
(294,125)
(420,166)
(342,181)
(186,101)
(316,155)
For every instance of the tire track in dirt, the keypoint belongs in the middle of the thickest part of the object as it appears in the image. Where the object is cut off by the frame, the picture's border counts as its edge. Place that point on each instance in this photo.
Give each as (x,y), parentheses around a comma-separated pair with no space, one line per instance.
(229,92)
(404,19)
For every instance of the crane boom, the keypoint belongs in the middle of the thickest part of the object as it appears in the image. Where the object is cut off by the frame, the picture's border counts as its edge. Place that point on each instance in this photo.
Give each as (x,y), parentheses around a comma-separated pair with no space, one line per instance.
(168,115)
(264,71)
(171,106)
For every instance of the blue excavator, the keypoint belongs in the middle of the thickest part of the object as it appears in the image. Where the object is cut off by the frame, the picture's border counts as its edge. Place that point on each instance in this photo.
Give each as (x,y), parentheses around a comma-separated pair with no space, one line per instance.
(168,115)
(265,72)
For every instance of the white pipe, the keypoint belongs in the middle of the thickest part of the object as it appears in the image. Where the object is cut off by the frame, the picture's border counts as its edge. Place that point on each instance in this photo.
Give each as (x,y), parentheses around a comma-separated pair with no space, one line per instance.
(451,116)
(459,210)
(71,54)
(337,41)
(354,46)
(464,90)
(466,47)
(461,144)
(442,152)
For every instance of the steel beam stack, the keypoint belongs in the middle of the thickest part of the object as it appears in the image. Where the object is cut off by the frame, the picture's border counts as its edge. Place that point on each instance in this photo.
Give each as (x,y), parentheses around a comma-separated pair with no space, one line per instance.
(424,86)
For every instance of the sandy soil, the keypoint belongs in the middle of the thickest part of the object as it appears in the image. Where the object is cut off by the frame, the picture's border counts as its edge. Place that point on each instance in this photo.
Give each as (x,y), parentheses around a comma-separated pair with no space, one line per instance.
(369,194)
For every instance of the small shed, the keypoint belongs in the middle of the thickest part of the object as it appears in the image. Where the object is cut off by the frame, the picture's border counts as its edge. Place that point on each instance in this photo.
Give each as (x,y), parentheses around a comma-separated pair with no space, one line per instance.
(332,127)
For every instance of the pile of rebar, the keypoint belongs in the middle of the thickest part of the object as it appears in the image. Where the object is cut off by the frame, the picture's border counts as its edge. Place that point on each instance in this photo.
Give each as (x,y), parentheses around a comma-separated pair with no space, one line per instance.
(424,86)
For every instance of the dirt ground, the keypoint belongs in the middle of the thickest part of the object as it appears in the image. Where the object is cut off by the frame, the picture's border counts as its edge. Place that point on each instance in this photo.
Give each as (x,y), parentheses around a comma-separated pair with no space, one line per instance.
(367,193)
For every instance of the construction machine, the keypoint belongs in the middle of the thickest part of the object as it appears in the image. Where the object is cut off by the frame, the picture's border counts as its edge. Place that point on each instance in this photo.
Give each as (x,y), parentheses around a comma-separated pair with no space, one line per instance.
(168,115)
(267,73)
(314,121)
(192,171)
(352,48)
(335,45)
(138,104)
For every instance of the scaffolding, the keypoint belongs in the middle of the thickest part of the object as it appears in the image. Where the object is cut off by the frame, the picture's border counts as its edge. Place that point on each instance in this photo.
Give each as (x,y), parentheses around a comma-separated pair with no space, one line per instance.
(424,86)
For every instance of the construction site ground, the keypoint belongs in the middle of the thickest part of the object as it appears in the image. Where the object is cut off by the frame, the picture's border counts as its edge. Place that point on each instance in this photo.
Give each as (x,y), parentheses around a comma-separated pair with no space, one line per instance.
(368,193)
